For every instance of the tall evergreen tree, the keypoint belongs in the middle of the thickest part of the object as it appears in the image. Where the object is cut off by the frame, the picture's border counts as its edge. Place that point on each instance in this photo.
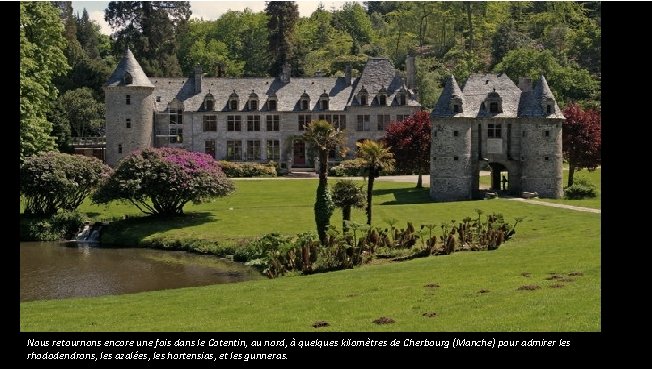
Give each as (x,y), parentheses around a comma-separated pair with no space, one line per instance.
(282,17)
(150,29)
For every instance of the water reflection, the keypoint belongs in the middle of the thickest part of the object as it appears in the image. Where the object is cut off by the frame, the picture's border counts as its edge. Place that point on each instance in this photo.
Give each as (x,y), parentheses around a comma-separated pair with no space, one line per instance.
(52,270)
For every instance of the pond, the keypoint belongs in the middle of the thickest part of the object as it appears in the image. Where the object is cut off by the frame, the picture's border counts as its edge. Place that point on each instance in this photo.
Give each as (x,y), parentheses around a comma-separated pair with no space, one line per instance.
(56,270)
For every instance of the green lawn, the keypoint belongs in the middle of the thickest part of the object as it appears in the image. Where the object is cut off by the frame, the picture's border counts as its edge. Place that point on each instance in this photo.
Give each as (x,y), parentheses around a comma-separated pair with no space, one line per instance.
(551,240)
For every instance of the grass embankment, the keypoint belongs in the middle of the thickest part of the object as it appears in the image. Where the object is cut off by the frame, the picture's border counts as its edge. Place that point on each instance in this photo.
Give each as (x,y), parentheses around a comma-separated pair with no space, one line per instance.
(550,242)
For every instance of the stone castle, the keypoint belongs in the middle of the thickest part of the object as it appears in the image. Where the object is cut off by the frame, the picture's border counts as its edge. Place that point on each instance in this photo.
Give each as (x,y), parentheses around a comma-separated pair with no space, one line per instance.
(492,124)
(250,119)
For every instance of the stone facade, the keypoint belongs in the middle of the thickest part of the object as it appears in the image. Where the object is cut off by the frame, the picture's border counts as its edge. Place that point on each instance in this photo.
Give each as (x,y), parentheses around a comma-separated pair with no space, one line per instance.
(250,119)
(493,124)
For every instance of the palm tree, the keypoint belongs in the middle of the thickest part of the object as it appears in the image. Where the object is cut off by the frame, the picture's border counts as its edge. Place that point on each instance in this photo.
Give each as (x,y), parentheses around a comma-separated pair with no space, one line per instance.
(377,158)
(347,195)
(325,137)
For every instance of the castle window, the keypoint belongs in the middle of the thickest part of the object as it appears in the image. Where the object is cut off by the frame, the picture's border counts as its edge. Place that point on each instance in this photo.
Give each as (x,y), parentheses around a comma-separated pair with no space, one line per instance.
(401,117)
(128,99)
(523,134)
(339,121)
(209,102)
(273,150)
(363,123)
(128,79)
(547,133)
(158,99)
(324,105)
(253,101)
(209,148)
(382,100)
(402,99)
(233,150)
(383,121)
(128,123)
(493,107)
(434,134)
(546,158)
(233,101)
(456,158)
(323,101)
(434,158)
(304,101)
(253,150)
(233,123)
(119,148)
(176,115)
(271,105)
(362,96)
(548,109)
(304,120)
(272,122)
(210,123)
(456,133)
(253,122)
(456,108)
(494,130)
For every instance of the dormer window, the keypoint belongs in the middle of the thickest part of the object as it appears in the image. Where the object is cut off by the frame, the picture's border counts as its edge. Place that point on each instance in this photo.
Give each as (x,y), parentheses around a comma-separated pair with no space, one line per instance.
(548,105)
(456,104)
(401,97)
(382,97)
(233,101)
(128,79)
(305,101)
(209,102)
(548,109)
(253,101)
(323,101)
(362,96)
(494,102)
(271,103)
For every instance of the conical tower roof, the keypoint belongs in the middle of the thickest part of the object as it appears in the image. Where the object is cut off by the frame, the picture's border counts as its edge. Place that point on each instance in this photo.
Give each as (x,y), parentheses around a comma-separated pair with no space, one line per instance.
(542,89)
(129,67)
(451,90)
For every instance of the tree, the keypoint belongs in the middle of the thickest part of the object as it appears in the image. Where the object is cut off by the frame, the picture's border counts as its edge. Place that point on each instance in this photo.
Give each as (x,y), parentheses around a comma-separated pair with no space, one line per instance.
(377,157)
(581,139)
(83,112)
(163,181)
(88,35)
(53,181)
(150,29)
(282,17)
(409,141)
(41,60)
(353,19)
(325,137)
(346,195)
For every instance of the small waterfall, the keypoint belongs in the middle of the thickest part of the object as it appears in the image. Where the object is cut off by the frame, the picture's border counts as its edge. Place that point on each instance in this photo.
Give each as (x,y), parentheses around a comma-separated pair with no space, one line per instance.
(90,233)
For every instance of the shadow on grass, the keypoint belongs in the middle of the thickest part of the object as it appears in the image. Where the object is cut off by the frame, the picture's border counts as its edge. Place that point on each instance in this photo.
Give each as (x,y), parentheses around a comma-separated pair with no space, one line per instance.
(133,230)
(405,195)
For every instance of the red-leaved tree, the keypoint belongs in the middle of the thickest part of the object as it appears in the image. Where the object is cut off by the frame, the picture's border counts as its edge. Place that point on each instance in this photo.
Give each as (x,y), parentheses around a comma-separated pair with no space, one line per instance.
(582,140)
(409,140)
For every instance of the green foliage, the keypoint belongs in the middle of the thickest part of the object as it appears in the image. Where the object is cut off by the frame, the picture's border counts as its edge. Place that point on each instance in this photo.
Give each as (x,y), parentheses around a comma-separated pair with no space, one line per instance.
(346,194)
(41,59)
(83,111)
(61,226)
(282,16)
(353,20)
(247,169)
(323,210)
(162,181)
(349,168)
(376,157)
(52,181)
(581,189)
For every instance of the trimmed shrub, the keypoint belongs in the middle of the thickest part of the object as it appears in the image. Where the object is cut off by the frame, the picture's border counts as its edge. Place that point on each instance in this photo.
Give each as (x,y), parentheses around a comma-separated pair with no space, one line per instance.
(53,181)
(247,170)
(348,168)
(62,226)
(162,181)
(581,189)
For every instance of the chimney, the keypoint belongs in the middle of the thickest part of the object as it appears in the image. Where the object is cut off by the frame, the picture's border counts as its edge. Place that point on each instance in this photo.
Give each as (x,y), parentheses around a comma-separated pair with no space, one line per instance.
(285,73)
(411,72)
(525,84)
(347,75)
(197,80)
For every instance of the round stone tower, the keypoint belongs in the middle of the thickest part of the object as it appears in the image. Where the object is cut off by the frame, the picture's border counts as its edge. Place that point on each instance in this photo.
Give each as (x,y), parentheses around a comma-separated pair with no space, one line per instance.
(541,146)
(129,110)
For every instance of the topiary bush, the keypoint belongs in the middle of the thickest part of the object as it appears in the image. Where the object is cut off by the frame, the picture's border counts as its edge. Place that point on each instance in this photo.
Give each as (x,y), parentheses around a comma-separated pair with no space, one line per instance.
(162,181)
(581,189)
(53,181)
(247,170)
(348,168)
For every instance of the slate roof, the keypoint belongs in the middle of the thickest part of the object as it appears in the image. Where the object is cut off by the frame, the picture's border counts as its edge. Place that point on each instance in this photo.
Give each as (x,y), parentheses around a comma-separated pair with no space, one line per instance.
(515,103)
(378,73)
(130,65)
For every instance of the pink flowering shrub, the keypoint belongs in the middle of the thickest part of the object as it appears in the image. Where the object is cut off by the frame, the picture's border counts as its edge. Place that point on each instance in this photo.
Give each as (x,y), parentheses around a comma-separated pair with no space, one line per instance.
(162,181)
